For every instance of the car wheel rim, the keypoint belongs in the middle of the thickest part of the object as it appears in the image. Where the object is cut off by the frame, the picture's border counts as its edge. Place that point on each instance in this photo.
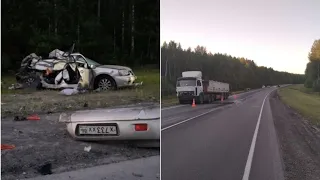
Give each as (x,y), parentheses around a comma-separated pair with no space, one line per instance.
(29,81)
(105,84)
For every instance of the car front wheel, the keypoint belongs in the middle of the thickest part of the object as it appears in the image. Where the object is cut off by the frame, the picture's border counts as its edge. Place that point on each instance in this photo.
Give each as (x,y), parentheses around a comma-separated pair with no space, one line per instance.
(105,83)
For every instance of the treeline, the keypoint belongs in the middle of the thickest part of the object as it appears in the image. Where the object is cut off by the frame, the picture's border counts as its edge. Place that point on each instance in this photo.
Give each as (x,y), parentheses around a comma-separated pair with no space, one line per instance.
(111,32)
(312,71)
(240,73)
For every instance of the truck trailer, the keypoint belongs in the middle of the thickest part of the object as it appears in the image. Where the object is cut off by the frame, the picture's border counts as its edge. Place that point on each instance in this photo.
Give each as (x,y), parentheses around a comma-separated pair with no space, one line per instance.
(191,86)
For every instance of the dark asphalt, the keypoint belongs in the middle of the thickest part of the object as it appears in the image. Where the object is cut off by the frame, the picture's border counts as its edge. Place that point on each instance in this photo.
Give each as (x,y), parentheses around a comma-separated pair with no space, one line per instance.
(216,145)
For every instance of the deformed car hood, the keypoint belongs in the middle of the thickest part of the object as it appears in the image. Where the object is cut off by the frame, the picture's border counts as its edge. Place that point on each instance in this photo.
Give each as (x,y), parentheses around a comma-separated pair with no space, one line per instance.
(116,114)
(114,67)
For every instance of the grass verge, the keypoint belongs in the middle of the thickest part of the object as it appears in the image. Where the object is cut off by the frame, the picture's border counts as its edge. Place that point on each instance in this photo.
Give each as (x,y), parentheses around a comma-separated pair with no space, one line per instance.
(169,101)
(303,100)
(26,101)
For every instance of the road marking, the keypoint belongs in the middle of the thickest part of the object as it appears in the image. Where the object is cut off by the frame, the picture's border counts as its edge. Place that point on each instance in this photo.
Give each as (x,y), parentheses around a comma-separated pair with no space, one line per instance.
(173,125)
(253,143)
(172,107)
(197,115)
(171,119)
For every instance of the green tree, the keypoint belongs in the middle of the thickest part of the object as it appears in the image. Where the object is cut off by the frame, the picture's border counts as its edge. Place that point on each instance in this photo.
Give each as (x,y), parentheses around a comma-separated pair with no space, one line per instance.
(312,71)
(240,73)
(110,32)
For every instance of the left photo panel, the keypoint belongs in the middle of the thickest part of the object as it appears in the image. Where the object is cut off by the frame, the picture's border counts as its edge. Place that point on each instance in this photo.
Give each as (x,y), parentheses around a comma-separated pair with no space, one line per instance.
(80,89)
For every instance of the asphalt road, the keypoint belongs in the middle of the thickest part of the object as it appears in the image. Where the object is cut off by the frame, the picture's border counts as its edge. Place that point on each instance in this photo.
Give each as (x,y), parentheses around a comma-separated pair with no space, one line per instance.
(137,169)
(221,141)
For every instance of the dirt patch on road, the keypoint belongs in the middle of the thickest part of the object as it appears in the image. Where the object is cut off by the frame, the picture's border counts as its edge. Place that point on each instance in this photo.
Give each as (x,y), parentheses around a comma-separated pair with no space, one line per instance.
(299,142)
(47,141)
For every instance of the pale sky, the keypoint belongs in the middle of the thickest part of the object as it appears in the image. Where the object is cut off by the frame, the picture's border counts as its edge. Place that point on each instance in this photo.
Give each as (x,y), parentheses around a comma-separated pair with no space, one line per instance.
(273,33)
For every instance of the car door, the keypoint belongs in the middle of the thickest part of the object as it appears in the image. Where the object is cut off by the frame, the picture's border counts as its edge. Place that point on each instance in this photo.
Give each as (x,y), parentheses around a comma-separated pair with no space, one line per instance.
(85,71)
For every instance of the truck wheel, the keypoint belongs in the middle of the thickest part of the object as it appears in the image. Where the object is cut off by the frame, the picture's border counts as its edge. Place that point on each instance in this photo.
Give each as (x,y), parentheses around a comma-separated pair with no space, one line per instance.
(210,99)
(214,97)
(201,99)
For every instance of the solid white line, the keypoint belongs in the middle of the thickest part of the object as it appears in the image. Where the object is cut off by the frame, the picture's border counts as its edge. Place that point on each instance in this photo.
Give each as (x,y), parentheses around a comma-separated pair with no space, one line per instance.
(253,143)
(172,107)
(193,117)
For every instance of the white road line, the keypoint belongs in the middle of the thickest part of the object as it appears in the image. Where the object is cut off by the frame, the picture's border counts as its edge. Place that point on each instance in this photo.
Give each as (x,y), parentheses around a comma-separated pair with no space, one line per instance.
(253,143)
(173,125)
(172,107)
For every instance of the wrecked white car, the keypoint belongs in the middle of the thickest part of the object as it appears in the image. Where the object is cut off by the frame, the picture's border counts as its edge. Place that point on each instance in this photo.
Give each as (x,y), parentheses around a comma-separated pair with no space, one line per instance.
(132,123)
(69,70)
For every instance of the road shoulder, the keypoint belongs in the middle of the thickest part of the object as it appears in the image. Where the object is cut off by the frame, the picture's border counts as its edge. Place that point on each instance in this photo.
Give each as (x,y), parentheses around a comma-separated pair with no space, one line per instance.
(299,142)
(142,169)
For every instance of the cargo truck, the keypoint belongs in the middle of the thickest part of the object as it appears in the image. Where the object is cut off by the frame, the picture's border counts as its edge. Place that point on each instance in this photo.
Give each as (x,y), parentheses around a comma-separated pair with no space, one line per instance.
(191,86)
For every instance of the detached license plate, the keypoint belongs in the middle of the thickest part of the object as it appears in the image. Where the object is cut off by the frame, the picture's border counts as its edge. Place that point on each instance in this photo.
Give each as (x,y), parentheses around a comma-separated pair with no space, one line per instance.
(101,130)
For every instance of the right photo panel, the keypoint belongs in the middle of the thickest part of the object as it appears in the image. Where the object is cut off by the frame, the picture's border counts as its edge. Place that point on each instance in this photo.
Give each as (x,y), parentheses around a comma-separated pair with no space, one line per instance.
(240,90)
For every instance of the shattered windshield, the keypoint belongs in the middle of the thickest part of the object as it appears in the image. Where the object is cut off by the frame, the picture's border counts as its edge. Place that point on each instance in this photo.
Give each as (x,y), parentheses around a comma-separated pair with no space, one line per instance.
(89,61)
(92,62)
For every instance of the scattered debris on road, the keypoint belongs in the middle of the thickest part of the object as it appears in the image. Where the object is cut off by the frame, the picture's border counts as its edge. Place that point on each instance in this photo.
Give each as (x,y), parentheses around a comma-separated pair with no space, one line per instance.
(45,169)
(47,141)
(87,148)
(19,118)
(34,117)
(7,146)
(137,174)
(16,86)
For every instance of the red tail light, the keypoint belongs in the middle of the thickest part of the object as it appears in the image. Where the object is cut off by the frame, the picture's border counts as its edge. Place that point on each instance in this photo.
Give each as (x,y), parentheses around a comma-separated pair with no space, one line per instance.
(141,127)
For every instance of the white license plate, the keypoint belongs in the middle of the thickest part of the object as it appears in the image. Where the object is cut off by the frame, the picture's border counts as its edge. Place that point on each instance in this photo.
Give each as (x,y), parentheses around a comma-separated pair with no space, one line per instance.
(112,130)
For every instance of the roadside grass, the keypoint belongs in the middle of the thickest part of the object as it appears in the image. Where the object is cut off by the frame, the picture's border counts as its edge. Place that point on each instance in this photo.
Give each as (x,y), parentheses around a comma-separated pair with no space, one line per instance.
(6,82)
(26,101)
(238,92)
(169,101)
(303,100)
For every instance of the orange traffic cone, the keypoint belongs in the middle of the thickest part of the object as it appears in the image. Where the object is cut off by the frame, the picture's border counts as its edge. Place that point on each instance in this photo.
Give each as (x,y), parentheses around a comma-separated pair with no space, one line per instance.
(193,103)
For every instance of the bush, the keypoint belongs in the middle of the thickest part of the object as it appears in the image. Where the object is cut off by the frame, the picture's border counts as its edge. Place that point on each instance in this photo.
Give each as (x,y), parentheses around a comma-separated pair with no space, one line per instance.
(308,83)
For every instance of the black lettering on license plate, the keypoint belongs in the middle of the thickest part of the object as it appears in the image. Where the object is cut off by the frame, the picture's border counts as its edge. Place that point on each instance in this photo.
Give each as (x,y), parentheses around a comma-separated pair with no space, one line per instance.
(83,131)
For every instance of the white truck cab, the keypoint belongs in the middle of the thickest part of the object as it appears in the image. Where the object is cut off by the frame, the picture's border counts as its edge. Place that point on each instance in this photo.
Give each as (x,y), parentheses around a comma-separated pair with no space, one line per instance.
(190,83)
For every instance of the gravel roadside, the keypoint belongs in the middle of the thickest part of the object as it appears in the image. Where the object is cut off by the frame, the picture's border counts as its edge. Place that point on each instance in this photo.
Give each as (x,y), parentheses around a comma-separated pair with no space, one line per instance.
(299,142)
(47,142)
